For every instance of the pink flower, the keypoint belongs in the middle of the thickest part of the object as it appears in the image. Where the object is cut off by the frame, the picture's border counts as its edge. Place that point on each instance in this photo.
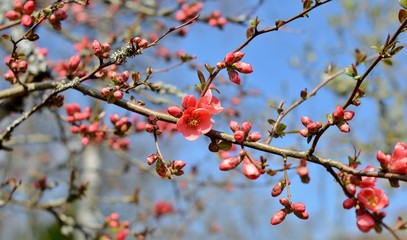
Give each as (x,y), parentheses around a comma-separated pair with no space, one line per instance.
(210,103)
(194,122)
(365,222)
(396,163)
(373,199)
(367,181)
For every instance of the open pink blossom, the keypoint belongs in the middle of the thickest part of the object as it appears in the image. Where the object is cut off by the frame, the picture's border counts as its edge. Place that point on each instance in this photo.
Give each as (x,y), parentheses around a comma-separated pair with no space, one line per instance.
(210,103)
(373,199)
(194,123)
(396,163)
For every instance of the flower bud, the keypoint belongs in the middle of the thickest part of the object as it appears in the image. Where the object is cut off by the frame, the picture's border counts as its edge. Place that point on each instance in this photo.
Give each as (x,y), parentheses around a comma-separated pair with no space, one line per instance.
(250,170)
(234,76)
(234,126)
(175,111)
(298,207)
(229,163)
(242,67)
(246,127)
(239,136)
(348,203)
(254,137)
(277,189)
(278,217)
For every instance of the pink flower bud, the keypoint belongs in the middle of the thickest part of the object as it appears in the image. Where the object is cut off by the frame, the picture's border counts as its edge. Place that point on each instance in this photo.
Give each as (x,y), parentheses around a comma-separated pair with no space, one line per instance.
(278,217)
(351,188)
(254,137)
(74,129)
(304,132)
(298,207)
(250,170)
(239,136)
(85,141)
(338,114)
(143,43)
(22,66)
(234,76)
(114,118)
(234,126)
(105,91)
(302,215)
(29,7)
(93,127)
(277,189)
(74,62)
(151,159)
(312,128)
(175,111)
(285,202)
(229,59)
(365,222)
(26,20)
(243,67)
(178,164)
(302,171)
(13,15)
(97,47)
(344,127)
(118,94)
(246,127)
(229,163)
(305,121)
(348,115)
(348,203)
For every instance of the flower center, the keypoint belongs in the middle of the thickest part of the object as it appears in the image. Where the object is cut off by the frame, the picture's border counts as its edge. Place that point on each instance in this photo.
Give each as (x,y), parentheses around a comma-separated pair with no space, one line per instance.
(193,121)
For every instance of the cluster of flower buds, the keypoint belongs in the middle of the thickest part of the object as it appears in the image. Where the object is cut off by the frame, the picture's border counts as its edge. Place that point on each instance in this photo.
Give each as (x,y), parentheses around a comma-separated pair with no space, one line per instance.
(119,228)
(298,209)
(311,128)
(56,18)
(340,118)
(216,19)
(152,125)
(166,170)
(121,125)
(101,51)
(94,131)
(188,11)
(242,133)
(233,65)
(75,114)
(22,11)
(16,66)
(120,84)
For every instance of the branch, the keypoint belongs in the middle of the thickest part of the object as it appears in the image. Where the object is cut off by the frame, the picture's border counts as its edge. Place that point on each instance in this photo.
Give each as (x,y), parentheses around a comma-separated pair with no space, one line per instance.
(131,106)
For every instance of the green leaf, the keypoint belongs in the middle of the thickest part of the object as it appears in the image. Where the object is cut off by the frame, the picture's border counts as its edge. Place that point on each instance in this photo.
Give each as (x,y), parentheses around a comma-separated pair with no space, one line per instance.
(209,68)
(201,77)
